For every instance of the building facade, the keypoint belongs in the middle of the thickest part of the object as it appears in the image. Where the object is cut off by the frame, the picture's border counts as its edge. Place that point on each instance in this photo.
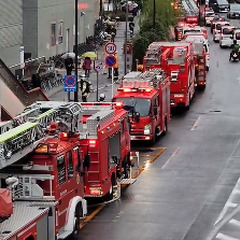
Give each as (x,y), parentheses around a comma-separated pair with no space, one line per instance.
(43,27)
(11,28)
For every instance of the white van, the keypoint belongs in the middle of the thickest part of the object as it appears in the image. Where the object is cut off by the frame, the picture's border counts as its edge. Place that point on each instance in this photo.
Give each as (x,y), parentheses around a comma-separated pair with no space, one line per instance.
(217,30)
(199,38)
(236,35)
(226,36)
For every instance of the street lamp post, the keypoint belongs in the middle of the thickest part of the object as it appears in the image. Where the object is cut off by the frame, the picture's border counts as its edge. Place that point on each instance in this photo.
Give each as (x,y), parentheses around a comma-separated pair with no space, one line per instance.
(126,39)
(76,55)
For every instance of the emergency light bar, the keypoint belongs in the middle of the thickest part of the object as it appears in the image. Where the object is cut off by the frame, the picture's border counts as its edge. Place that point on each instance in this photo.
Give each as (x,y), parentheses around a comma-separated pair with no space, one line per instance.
(135,89)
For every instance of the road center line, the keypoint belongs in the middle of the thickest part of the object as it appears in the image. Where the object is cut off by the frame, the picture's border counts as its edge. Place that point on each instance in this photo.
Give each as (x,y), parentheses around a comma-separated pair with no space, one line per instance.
(195,125)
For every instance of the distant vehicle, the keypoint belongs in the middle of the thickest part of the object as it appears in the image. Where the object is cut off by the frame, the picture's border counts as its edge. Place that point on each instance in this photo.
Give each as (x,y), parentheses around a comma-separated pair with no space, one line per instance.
(217,18)
(196,29)
(221,6)
(226,34)
(217,30)
(208,17)
(236,35)
(200,38)
(234,11)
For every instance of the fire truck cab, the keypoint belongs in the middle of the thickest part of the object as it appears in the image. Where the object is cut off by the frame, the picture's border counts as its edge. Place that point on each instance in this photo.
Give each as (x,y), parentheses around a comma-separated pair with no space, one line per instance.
(147,100)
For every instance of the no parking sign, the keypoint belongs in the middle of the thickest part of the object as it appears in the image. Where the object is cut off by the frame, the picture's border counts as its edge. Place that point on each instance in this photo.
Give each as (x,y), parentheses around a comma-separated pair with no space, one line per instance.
(70,84)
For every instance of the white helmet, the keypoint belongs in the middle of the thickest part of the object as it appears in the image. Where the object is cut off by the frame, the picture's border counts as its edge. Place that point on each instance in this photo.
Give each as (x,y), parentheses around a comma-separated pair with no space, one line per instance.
(102,97)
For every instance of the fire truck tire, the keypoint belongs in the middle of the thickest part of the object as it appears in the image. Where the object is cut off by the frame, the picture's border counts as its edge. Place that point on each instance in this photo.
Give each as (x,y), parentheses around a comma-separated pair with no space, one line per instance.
(109,195)
(78,214)
(207,68)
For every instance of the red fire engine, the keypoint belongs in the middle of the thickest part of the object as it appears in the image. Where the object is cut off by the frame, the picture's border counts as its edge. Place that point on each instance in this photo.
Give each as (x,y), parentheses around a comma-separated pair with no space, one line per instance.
(147,98)
(44,175)
(84,143)
(177,59)
(191,17)
(105,138)
(200,61)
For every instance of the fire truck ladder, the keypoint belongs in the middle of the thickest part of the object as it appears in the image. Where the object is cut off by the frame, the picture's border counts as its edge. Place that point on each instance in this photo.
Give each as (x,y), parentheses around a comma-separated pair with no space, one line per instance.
(95,121)
(190,7)
(18,142)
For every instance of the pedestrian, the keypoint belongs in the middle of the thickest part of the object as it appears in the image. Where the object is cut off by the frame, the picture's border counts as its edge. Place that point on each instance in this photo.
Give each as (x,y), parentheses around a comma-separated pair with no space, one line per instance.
(85,87)
(113,33)
(87,66)
(36,80)
(69,64)
(102,97)
(115,66)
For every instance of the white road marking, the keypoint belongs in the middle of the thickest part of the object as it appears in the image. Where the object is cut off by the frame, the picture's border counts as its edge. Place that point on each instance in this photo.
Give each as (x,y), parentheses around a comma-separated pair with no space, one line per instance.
(195,125)
(229,202)
(225,237)
(235,222)
(172,157)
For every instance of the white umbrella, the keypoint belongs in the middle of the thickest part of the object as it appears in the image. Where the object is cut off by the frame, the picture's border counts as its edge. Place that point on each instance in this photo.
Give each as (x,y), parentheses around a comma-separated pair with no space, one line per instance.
(69,54)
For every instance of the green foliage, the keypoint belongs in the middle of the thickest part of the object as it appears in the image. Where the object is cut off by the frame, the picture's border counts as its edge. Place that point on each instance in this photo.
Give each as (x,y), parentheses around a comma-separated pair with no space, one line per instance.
(165,18)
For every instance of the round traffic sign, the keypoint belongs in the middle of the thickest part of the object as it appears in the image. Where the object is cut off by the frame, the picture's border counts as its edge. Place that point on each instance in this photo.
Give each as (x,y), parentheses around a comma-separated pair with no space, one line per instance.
(70,81)
(110,61)
(110,48)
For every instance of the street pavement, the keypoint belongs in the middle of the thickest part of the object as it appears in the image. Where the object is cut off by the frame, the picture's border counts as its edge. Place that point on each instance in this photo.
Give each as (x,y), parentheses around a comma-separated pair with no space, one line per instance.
(105,85)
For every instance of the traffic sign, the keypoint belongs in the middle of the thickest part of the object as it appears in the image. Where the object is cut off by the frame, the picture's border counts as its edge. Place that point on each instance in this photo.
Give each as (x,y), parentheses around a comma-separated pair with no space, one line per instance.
(110,61)
(110,48)
(98,65)
(70,84)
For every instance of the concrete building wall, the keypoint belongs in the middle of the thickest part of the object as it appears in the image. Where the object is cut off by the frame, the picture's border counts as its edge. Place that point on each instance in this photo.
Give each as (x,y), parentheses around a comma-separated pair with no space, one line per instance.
(43,27)
(11,25)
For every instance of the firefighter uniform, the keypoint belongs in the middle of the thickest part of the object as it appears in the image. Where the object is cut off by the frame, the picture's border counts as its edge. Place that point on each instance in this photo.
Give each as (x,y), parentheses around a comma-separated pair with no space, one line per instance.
(86,88)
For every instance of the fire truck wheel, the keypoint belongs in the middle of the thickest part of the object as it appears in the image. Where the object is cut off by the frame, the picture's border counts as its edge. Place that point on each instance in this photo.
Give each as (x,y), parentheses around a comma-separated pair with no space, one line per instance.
(109,195)
(78,214)
(207,68)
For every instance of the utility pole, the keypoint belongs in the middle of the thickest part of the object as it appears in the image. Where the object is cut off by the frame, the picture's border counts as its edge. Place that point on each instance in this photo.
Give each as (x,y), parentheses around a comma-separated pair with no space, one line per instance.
(76,55)
(154,14)
(126,39)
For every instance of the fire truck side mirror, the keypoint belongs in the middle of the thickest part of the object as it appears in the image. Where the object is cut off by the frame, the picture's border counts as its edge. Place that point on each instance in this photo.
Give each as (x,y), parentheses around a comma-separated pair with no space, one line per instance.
(86,162)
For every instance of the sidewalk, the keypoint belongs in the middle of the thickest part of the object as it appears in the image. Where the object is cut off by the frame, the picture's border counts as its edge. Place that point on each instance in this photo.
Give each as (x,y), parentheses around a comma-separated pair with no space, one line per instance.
(105,85)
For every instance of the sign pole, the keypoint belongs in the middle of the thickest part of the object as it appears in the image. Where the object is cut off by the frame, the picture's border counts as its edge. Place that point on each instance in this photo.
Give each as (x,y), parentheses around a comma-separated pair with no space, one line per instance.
(69,97)
(112,82)
(97,89)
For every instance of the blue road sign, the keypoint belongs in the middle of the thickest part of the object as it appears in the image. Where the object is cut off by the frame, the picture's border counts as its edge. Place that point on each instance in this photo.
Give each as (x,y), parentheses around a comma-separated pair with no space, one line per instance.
(70,84)
(110,61)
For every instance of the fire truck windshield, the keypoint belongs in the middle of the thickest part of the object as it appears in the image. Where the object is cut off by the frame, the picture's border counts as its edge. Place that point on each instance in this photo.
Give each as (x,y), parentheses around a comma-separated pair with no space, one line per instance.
(136,105)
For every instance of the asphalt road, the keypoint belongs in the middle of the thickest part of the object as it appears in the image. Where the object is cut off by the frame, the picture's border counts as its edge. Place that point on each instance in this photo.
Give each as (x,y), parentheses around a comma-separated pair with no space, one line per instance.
(191,191)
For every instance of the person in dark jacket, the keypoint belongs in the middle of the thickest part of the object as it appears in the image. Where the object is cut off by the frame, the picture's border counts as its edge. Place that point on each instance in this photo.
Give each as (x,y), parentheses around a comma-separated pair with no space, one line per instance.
(69,65)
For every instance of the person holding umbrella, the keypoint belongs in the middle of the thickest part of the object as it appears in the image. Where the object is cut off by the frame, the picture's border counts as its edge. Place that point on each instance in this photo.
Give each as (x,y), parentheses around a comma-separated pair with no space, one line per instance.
(68,64)
(87,66)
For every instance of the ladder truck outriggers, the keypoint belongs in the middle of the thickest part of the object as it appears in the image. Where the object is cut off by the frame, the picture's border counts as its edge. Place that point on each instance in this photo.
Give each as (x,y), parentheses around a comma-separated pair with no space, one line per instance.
(146,96)
(177,60)
(82,150)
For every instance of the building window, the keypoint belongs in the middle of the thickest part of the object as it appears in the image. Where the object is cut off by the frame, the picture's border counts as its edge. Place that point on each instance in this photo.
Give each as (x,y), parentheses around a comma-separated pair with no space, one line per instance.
(53,34)
(60,32)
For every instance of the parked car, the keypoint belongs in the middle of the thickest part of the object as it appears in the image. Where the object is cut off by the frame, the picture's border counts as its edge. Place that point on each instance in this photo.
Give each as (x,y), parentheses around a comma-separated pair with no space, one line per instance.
(234,11)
